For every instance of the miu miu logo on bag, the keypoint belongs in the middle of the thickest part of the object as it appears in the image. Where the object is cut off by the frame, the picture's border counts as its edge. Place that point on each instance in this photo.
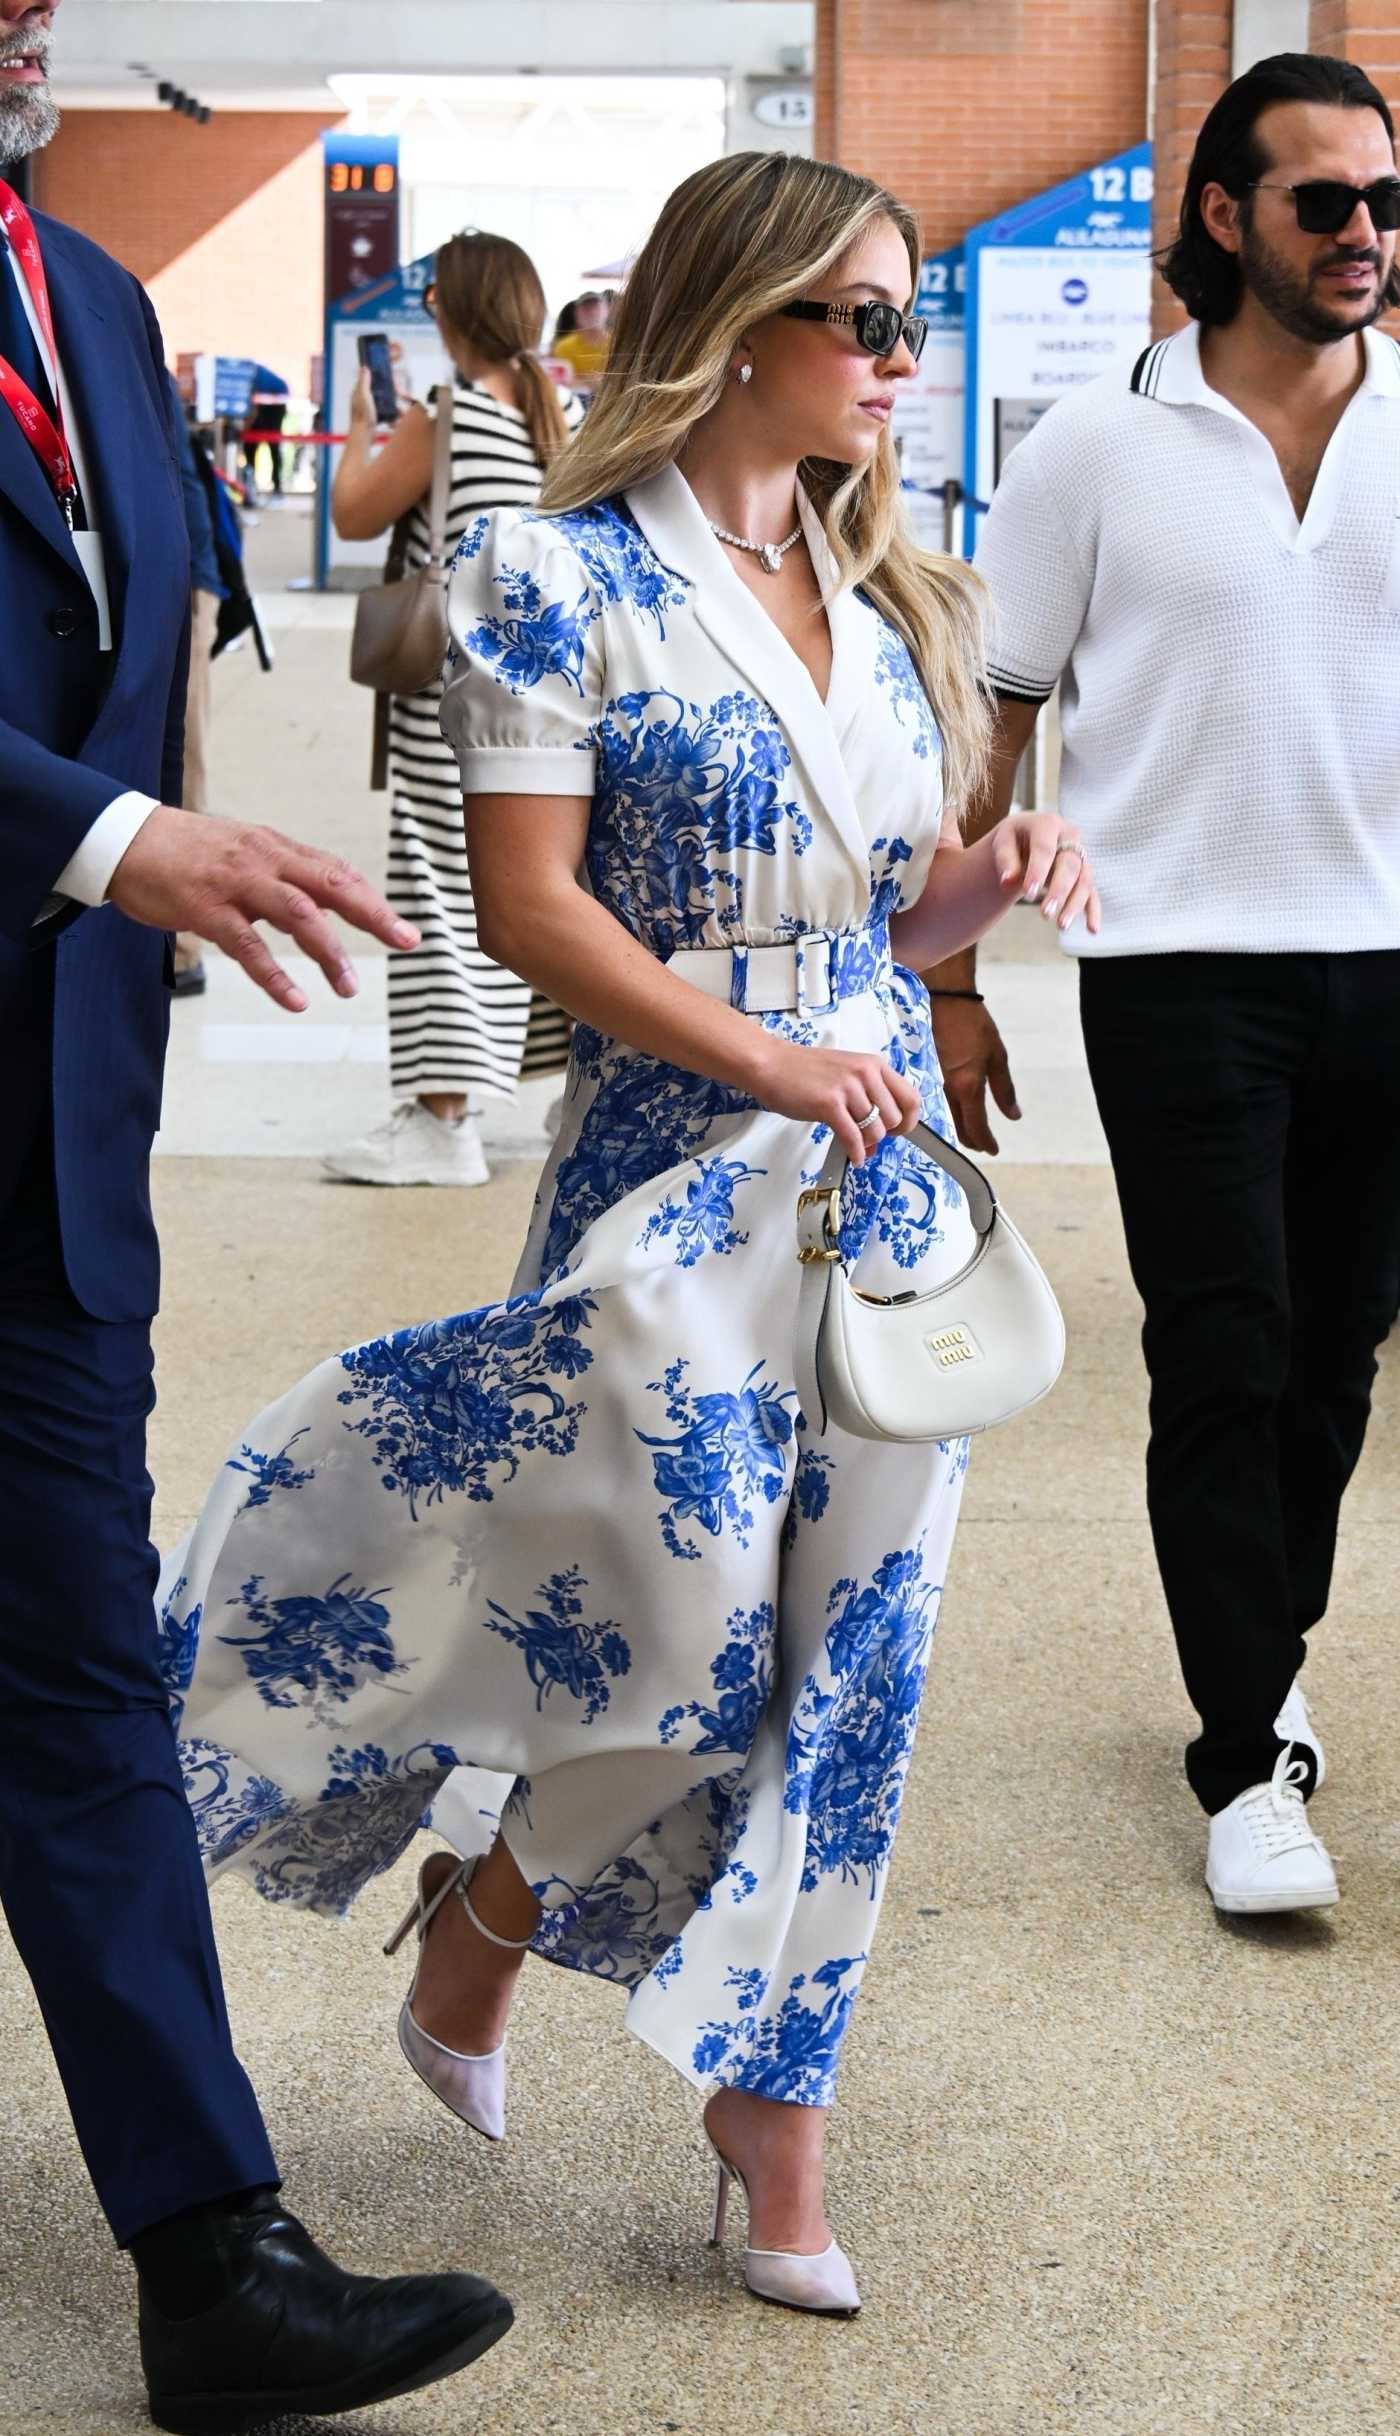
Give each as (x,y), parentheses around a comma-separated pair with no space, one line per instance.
(952,1346)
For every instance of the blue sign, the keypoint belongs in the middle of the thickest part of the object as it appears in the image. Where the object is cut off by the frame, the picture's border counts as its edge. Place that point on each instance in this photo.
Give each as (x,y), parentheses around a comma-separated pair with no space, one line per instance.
(234,376)
(1058,293)
(395,307)
(941,300)
(928,413)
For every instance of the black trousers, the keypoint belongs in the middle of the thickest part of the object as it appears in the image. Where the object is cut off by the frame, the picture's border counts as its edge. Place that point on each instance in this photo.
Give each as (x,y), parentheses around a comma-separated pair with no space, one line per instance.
(1252,1108)
(100,1877)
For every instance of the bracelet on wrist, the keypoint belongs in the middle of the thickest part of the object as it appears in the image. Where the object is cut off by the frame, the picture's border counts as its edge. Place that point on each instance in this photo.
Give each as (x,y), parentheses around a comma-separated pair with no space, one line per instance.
(975,995)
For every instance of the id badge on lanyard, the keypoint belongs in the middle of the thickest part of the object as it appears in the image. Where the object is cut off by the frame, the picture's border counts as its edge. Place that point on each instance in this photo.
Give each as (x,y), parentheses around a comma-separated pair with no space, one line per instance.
(43,431)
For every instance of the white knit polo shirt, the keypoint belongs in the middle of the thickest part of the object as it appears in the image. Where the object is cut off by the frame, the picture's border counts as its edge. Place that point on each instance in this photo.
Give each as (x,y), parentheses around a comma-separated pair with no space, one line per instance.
(1231,678)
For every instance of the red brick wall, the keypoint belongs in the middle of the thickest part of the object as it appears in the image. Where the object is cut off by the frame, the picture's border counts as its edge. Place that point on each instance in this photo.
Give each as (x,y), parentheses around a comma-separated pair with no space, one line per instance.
(1367,31)
(1193,68)
(222,223)
(964,107)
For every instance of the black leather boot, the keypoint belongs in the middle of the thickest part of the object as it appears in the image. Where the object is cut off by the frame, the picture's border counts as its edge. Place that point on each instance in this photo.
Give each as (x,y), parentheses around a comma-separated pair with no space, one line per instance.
(289,2331)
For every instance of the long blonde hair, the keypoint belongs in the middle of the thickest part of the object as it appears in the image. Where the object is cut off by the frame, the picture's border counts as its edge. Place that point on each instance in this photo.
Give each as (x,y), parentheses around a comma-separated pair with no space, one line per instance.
(741,237)
(489,293)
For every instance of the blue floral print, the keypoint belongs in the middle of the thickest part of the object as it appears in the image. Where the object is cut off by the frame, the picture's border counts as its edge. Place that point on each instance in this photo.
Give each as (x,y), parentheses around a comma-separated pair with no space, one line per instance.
(364,1819)
(789,2052)
(623,566)
(682,795)
(269,1472)
(561,1652)
(849,1745)
(458,1408)
(230,1807)
(177,1638)
(642,1121)
(894,668)
(742,1678)
(704,1221)
(313,1652)
(731,1446)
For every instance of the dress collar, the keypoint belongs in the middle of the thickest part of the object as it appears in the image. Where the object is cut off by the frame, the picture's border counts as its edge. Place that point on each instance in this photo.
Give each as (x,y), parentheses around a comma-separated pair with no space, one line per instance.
(673,521)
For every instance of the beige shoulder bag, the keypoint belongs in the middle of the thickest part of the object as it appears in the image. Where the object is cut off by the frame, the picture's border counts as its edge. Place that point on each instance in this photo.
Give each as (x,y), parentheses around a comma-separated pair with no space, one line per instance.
(400,638)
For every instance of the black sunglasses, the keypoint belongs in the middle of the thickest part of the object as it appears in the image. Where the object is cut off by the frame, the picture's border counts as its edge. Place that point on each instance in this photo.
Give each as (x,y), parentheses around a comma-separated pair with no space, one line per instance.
(1324,205)
(878,327)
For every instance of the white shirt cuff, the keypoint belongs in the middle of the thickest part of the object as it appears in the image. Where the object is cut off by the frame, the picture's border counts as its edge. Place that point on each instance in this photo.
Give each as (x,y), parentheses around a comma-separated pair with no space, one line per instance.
(88,876)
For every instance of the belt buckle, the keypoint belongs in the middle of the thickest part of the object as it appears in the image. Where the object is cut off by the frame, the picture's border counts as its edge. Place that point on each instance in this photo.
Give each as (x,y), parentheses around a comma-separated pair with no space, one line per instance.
(802,947)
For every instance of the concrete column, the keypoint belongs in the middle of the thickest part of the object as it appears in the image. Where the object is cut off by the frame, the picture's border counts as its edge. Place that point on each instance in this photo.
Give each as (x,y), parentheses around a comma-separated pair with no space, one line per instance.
(1194,59)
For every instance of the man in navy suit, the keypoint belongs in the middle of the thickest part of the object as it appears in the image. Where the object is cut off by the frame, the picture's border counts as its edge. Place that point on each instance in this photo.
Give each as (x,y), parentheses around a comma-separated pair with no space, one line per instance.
(242,2317)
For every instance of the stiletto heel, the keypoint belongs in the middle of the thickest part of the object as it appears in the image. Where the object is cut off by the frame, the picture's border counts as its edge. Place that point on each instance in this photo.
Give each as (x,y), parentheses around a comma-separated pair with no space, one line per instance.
(721,2203)
(824,2284)
(472,2087)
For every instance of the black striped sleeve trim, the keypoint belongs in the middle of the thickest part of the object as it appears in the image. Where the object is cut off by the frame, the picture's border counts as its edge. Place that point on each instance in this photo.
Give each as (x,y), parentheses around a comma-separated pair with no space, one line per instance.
(1009,687)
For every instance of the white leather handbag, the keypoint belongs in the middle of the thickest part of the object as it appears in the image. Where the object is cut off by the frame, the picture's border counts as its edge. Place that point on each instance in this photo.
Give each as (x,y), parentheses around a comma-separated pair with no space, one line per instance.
(945,1364)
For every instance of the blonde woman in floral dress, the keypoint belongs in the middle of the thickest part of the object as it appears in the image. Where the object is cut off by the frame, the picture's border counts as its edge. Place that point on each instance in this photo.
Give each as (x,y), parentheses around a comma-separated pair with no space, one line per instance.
(716,715)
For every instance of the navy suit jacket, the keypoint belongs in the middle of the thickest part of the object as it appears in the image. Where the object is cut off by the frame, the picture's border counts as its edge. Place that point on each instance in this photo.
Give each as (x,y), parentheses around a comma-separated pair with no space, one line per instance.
(88,1015)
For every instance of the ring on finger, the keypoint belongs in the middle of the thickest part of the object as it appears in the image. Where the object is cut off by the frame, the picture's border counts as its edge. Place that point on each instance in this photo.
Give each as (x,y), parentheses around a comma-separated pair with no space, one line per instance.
(1068,846)
(871,1117)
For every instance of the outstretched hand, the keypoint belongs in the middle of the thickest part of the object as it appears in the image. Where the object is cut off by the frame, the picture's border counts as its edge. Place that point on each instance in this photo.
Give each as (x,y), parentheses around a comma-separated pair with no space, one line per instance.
(192,871)
(1042,858)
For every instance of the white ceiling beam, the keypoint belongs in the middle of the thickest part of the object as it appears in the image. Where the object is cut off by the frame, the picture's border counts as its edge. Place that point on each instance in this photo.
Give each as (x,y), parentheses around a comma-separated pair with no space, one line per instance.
(289,50)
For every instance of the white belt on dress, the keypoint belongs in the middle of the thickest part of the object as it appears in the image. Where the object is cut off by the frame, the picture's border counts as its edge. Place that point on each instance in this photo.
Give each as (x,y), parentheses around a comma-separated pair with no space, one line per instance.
(791,977)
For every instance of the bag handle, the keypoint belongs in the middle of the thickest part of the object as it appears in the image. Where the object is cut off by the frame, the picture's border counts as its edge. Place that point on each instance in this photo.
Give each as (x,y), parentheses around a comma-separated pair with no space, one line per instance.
(442,474)
(819,1248)
(396,564)
(819,1204)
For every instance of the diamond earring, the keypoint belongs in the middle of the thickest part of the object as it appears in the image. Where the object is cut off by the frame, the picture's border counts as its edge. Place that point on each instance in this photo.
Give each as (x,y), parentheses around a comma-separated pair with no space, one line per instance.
(746,373)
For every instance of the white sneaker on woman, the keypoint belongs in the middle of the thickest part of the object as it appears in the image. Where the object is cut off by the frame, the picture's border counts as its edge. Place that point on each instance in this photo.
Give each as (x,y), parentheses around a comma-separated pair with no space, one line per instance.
(413,1147)
(1263,1856)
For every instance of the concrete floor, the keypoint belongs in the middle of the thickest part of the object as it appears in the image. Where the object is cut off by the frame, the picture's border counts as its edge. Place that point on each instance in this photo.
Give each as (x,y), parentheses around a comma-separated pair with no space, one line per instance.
(1107,2166)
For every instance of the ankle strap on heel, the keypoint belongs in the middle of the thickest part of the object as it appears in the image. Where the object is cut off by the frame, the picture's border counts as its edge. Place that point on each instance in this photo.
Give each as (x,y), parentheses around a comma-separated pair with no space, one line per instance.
(508,1945)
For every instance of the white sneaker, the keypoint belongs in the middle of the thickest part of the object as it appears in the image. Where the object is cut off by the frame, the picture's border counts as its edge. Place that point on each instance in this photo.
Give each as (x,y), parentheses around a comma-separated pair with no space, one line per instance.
(1263,1855)
(1294,1723)
(413,1147)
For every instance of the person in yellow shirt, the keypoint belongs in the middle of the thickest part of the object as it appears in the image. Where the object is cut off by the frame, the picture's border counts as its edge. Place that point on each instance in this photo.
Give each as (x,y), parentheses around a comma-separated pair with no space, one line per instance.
(585,347)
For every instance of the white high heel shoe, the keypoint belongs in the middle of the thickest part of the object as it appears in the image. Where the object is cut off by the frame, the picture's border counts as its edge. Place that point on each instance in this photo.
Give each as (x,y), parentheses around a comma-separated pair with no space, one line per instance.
(825,2283)
(473,2087)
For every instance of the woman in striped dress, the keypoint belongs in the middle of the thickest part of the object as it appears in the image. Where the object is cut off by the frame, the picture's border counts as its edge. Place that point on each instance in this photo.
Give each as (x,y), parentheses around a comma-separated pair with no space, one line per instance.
(459,1025)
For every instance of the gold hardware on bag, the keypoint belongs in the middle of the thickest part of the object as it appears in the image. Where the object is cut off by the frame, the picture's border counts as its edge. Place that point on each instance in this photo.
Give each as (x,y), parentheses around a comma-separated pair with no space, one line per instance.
(950,1347)
(831,1250)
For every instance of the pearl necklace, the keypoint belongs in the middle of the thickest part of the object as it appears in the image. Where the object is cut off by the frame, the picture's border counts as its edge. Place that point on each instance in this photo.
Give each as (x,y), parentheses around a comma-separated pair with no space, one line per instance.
(770,554)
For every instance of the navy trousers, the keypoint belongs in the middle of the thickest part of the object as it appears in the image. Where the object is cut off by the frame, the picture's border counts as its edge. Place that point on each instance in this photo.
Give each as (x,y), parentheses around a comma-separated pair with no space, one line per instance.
(100,1877)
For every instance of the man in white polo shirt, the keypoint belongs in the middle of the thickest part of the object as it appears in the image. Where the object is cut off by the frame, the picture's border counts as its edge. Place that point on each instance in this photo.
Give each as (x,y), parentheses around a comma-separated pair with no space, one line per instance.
(1207,558)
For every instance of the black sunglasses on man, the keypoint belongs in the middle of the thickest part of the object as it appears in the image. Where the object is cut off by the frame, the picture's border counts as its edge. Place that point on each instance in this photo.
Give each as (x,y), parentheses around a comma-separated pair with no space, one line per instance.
(1324,205)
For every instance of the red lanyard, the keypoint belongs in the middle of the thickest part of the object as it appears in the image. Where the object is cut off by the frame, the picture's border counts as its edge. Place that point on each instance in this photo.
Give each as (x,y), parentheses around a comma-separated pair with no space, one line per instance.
(45,437)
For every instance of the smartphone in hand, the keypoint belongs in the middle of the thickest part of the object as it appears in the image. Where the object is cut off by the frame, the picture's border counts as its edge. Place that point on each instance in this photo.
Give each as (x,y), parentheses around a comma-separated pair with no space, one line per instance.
(373,349)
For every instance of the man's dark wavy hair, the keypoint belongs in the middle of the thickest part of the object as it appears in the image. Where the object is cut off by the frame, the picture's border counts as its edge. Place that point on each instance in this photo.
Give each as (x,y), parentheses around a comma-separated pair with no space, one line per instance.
(1228,153)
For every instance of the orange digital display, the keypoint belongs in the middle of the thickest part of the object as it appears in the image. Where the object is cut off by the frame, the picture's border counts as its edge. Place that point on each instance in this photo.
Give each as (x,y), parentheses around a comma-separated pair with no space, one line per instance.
(349,177)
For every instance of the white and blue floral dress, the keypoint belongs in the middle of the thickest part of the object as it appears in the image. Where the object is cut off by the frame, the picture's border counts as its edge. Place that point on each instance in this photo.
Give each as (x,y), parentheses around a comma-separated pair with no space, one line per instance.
(578,1550)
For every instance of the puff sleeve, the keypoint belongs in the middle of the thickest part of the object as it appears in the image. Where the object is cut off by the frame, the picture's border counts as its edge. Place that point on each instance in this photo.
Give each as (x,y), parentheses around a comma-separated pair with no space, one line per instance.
(524,680)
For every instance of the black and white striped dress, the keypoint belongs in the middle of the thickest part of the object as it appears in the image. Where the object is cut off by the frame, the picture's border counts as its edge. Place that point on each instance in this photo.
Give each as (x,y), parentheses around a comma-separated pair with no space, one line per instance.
(457,1022)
